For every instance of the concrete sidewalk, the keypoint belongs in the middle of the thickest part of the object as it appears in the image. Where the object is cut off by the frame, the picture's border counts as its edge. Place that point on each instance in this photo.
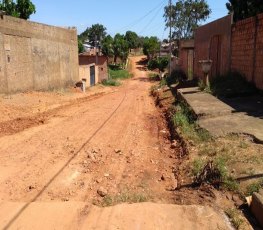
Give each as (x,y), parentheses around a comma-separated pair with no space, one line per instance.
(219,118)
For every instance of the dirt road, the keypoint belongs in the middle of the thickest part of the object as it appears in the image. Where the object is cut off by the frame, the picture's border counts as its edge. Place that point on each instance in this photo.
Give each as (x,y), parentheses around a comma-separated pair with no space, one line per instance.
(113,144)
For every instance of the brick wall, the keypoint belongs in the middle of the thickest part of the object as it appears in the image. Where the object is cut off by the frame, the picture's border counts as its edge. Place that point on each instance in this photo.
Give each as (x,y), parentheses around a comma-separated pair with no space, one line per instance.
(247,49)
(243,37)
(205,48)
(35,56)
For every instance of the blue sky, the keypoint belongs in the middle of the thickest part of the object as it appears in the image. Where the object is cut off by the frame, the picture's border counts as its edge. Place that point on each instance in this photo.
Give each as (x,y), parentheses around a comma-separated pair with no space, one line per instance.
(145,17)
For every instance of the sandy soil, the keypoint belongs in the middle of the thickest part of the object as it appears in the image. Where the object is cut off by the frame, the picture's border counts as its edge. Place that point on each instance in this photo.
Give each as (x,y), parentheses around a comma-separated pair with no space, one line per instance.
(63,156)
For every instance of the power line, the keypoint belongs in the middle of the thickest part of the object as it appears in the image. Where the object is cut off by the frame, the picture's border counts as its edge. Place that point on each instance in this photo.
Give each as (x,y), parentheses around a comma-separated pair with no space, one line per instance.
(152,19)
(140,19)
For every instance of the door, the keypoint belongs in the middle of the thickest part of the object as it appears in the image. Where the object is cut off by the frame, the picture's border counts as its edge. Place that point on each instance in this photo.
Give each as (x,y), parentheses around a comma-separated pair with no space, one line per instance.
(215,55)
(190,64)
(92,75)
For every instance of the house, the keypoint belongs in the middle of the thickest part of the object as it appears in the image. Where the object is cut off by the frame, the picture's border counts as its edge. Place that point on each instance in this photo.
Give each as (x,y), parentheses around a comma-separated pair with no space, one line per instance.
(186,57)
(93,68)
(34,56)
(232,47)
(213,42)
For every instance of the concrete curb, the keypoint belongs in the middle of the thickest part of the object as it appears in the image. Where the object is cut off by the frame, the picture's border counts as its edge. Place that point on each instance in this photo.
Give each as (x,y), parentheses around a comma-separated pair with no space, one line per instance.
(257,206)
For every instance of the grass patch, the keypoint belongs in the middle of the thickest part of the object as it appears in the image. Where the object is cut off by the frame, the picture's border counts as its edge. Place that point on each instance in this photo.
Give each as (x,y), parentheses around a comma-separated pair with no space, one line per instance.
(153,76)
(235,217)
(213,171)
(116,72)
(185,120)
(124,198)
(254,187)
(111,82)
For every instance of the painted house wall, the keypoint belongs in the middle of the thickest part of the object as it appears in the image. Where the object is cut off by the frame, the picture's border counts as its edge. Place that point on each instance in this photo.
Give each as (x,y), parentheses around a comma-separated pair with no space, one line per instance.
(205,48)
(35,56)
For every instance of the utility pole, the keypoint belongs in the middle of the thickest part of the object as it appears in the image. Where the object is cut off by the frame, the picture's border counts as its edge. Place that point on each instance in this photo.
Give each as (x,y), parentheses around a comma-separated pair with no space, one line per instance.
(170,36)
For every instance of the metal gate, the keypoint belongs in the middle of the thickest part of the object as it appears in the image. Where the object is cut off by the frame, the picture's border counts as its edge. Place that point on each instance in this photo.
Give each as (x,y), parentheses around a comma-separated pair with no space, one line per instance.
(92,75)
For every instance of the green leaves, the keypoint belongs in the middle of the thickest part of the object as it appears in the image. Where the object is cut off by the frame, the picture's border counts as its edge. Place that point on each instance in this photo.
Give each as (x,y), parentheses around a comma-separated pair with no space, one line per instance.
(244,8)
(120,47)
(20,9)
(94,33)
(151,46)
(132,39)
(158,63)
(186,16)
(107,46)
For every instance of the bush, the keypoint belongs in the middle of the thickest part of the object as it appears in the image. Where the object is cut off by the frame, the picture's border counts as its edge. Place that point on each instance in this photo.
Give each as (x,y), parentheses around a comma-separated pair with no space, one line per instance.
(152,64)
(176,77)
(119,73)
(235,217)
(254,187)
(111,82)
(185,119)
(160,63)
(230,85)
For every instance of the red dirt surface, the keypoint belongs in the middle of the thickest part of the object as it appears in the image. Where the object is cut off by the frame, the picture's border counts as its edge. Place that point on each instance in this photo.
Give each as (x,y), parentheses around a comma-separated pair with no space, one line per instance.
(115,141)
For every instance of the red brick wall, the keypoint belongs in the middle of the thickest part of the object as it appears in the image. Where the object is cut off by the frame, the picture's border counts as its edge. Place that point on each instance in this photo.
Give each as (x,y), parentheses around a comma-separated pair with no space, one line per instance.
(258,73)
(203,49)
(243,36)
(247,49)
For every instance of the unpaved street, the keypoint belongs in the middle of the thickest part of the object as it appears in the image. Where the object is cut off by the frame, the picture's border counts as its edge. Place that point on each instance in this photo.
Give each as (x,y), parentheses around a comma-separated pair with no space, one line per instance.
(50,173)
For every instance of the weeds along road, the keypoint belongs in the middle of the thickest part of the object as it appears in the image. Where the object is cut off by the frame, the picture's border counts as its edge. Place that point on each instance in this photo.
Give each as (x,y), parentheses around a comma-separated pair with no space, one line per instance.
(51,174)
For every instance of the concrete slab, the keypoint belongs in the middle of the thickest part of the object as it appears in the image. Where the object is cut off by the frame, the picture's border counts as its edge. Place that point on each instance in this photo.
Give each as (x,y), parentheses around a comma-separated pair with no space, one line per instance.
(204,104)
(234,123)
(219,118)
(80,215)
(257,207)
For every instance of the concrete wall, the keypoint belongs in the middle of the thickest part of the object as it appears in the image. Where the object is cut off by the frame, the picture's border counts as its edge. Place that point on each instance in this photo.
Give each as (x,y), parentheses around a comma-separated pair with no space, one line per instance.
(204,48)
(35,56)
(247,49)
(84,73)
(102,65)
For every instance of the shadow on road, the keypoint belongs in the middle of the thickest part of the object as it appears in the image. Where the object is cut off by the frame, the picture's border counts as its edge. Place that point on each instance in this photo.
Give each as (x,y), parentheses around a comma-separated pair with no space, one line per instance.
(252,105)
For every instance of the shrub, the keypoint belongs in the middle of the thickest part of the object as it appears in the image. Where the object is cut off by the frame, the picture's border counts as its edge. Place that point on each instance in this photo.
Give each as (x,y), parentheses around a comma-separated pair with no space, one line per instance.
(152,64)
(235,217)
(119,74)
(176,77)
(254,187)
(111,82)
(160,63)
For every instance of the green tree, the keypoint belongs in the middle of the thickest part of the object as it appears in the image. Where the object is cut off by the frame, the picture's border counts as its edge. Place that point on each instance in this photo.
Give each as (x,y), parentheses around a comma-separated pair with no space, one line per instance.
(186,16)
(21,8)
(244,8)
(25,8)
(140,41)
(132,39)
(96,32)
(107,46)
(80,46)
(160,63)
(120,48)
(151,46)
